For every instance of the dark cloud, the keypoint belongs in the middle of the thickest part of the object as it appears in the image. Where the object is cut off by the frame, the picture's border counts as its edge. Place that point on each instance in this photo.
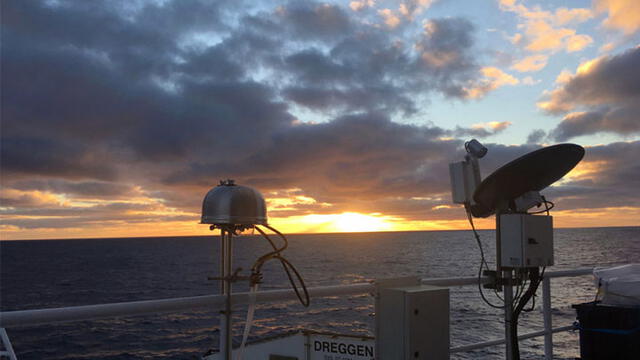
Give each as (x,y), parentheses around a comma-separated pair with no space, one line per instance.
(93,189)
(351,156)
(604,97)
(45,157)
(622,120)
(370,70)
(311,20)
(536,136)
(613,179)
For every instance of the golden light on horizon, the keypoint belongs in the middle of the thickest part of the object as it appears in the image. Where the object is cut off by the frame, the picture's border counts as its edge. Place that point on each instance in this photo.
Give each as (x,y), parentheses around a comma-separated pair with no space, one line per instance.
(355,222)
(343,222)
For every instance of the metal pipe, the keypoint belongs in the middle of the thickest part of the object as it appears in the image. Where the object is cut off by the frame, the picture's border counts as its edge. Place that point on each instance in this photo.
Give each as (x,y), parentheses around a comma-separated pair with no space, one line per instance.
(215,302)
(498,245)
(546,313)
(221,260)
(568,273)
(222,341)
(484,344)
(226,327)
(508,313)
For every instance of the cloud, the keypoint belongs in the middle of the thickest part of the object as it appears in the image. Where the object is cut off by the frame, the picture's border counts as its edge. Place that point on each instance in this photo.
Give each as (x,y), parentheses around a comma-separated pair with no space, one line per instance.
(536,136)
(408,9)
(361,5)
(370,71)
(607,176)
(578,42)
(531,63)
(411,8)
(117,116)
(546,31)
(482,130)
(623,15)
(40,156)
(493,79)
(310,20)
(621,120)
(106,108)
(602,96)
(70,189)
(528,80)
(389,17)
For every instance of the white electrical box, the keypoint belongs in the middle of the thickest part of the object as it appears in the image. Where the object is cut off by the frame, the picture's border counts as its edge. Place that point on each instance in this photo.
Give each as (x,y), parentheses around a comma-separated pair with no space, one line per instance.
(526,240)
(412,323)
(464,181)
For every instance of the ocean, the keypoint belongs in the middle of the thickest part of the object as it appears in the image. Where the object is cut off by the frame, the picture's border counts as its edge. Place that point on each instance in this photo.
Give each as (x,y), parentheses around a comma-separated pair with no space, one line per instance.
(55,273)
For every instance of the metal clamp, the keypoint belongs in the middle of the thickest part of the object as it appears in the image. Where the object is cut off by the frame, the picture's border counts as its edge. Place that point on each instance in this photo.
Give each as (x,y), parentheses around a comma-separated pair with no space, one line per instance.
(235,277)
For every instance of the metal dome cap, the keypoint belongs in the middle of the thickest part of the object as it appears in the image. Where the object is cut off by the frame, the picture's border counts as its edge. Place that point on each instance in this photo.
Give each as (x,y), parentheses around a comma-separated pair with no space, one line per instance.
(231,204)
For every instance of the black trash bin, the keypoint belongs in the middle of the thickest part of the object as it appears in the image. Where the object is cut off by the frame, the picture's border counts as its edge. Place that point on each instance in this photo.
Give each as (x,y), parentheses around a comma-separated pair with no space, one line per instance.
(608,332)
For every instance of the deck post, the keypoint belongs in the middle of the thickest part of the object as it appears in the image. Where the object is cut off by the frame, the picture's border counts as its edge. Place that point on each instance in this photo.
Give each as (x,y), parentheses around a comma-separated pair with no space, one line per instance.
(546,313)
(226,327)
(508,313)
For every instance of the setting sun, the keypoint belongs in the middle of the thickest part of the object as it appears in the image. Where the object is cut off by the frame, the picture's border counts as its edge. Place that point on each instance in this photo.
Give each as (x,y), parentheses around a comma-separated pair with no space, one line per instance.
(354,222)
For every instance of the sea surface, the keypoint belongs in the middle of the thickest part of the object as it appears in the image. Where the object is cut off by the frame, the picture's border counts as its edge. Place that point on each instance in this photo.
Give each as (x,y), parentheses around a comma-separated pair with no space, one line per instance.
(56,273)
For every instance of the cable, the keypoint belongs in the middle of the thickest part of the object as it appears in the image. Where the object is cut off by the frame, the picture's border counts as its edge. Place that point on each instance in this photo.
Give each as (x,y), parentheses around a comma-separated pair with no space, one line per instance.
(483,262)
(546,207)
(286,265)
(535,278)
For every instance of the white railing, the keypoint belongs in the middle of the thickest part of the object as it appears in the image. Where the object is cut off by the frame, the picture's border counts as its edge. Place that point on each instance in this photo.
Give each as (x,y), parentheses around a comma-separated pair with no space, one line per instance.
(216,302)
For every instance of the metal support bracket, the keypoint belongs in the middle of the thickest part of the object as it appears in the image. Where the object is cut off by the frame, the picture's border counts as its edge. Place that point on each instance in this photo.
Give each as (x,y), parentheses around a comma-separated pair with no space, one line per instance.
(6,344)
(235,277)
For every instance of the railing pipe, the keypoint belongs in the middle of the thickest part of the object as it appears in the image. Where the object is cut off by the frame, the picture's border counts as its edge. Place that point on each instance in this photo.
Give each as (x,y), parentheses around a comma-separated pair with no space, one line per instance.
(484,344)
(212,302)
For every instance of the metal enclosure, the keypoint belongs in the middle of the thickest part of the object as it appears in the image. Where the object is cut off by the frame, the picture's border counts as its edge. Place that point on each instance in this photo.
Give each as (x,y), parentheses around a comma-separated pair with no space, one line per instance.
(526,240)
(413,323)
(464,177)
(231,204)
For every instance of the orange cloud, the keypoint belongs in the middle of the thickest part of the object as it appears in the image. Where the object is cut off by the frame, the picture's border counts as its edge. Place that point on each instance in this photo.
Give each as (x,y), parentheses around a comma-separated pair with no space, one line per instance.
(622,15)
(531,63)
(545,31)
(361,5)
(493,125)
(411,8)
(600,217)
(36,198)
(390,19)
(577,42)
(493,79)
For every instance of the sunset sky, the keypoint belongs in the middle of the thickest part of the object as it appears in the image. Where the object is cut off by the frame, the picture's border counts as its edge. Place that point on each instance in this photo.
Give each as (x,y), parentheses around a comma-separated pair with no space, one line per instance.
(119,116)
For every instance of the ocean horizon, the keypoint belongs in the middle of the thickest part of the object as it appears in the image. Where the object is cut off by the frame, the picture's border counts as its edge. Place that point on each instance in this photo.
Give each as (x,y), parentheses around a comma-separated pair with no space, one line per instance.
(300,233)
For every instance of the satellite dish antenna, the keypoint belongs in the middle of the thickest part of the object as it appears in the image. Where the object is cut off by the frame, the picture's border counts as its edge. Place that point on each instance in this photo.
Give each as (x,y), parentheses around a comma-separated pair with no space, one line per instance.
(524,240)
(531,172)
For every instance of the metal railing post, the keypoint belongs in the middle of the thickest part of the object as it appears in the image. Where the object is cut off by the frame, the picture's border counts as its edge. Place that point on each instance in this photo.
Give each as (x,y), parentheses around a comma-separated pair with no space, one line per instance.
(546,313)
(508,314)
